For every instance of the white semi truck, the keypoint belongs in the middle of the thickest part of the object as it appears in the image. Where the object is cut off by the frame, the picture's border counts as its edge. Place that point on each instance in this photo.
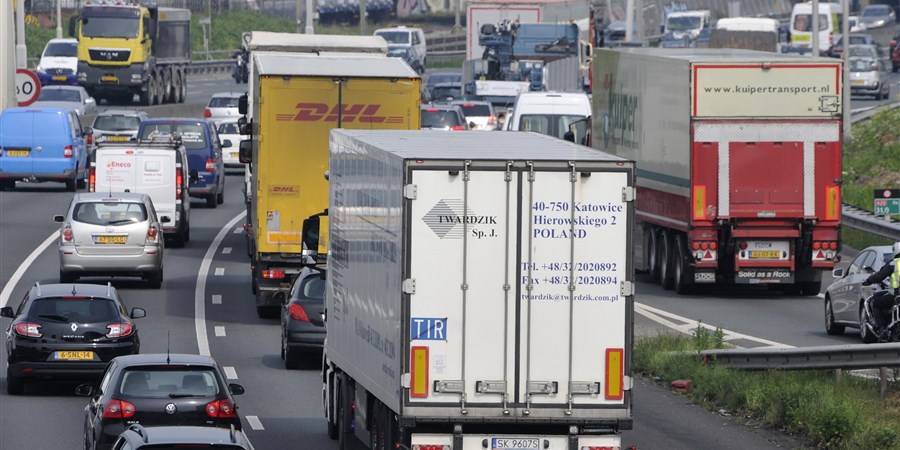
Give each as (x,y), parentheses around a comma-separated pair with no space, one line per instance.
(479,293)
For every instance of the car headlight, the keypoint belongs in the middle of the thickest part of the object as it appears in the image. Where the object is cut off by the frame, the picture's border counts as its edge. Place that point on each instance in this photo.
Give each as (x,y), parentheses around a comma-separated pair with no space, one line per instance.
(38,68)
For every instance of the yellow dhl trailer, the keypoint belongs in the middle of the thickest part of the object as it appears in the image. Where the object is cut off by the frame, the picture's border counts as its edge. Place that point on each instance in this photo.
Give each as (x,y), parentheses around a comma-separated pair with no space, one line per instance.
(297,99)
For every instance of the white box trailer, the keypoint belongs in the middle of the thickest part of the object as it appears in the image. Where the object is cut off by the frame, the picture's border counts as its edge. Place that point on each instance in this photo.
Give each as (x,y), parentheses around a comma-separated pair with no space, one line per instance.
(479,291)
(483,12)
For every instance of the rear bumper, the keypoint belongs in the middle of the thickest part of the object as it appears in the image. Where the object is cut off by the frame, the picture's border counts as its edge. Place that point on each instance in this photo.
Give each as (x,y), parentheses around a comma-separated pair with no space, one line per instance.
(29,359)
(865,88)
(57,370)
(149,260)
(65,175)
(302,341)
(47,79)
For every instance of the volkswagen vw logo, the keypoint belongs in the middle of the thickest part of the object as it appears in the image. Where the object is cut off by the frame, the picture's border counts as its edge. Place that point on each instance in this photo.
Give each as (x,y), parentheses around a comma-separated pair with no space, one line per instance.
(171,409)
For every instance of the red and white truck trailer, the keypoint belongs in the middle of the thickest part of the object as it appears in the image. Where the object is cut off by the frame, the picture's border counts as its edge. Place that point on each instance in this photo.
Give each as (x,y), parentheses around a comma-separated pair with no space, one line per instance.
(738,157)
(479,292)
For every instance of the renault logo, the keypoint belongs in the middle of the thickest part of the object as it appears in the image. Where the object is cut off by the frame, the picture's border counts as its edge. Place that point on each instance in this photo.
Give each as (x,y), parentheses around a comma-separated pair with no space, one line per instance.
(171,409)
(74,327)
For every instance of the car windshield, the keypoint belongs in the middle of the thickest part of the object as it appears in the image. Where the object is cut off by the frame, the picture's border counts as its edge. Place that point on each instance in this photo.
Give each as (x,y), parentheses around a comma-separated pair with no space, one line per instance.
(437,118)
(74,308)
(67,49)
(394,37)
(110,27)
(169,382)
(555,125)
(863,51)
(223,102)
(229,128)
(443,92)
(191,133)
(59,95)
(117,123)
(862,65)
(875,11)
(474,110)
(443,78)
(683,23)
(802,22)
(109,213)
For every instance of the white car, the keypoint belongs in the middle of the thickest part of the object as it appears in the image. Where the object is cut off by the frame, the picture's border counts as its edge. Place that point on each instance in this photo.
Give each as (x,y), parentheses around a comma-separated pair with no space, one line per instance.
(67,97)
(59,62)
(229,133)
(222,106)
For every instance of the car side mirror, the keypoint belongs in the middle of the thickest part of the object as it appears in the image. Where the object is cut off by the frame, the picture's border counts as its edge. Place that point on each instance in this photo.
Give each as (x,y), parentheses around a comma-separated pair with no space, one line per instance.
(245,151)
(137,313)
(242,105)
(7,311)
(165,219)
(90,101)
(193,176)
(84,390)
(235,389)
(88,131)
(59,219)
(226,143)
(837,273)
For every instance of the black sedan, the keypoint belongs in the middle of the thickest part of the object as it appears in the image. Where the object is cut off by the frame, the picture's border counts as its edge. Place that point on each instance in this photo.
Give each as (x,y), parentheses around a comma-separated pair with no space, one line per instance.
(67,331)
(303,317)
(844,298)
(157,390)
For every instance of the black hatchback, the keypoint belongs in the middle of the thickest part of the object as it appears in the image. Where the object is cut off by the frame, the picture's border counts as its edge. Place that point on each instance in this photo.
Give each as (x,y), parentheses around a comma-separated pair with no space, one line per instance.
(303,317)
(157,390)
(67,331)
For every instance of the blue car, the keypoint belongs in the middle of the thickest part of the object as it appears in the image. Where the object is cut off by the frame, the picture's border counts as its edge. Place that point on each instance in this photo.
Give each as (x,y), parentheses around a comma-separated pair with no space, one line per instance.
(204,151)
(42,144)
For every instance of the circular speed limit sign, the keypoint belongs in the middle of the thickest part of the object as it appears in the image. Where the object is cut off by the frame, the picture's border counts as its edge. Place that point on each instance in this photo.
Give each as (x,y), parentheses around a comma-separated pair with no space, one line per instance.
(28,87)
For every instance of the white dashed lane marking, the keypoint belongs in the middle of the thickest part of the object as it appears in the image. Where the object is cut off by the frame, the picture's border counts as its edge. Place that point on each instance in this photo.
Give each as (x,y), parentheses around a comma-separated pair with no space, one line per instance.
(220,271)
(254,423)
(238,230)
(217,299)
(230,373)
(220,331)
(226,251)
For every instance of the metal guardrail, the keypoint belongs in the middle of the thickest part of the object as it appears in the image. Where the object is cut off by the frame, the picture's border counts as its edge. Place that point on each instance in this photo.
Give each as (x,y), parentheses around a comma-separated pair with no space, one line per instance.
(849,357)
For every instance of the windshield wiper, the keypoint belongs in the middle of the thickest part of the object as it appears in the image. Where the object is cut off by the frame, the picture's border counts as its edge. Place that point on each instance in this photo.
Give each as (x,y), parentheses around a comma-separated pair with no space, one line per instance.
(119,222)
(55,318)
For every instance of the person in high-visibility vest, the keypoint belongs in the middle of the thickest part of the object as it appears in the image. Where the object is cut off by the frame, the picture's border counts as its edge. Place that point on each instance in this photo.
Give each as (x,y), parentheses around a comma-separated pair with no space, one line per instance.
(883,301)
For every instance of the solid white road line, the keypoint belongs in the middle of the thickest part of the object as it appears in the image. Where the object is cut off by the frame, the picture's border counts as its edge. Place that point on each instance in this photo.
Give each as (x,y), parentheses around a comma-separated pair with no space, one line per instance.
(254,423)
(226,251)
(216,299)
(200,290)
(220,331)
(230,373)
(220,271)
(687,326)
(14,279)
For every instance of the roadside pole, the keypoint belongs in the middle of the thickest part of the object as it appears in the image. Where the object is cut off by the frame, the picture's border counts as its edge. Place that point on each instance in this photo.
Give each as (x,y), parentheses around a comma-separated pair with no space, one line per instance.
(814,17)
(7,57)
(629,20)
(309,17)
(59,19)
(21,50)
(845,55)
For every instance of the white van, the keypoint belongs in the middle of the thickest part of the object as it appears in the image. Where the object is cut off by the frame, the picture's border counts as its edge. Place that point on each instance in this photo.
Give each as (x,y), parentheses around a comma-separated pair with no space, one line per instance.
(551,113)
(59,62)
(829,24)
(405,37)
(158,168)
(681,24)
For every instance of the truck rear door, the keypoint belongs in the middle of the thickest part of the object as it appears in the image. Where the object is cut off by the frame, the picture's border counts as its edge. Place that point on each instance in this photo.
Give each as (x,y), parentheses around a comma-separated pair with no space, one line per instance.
(155,174)
(116,169)
(527,313)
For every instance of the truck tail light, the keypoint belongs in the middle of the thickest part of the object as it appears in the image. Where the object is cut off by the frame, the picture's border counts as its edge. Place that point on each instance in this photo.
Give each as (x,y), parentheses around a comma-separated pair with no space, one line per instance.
(700,202)
(67,152)
(430,447)
(207,113)
(599,447)
(832,202)
(419,372)
(221,409)
(29,329)
(297,313)
(824,250)
(92,180)
(67,233)
(210,165)
(179,179)
(117,330)
(273,274)
(118,409)
(695,245)
(615,374)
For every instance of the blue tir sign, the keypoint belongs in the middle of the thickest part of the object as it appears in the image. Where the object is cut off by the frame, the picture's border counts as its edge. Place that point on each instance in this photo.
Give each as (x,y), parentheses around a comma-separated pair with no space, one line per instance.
(428,329)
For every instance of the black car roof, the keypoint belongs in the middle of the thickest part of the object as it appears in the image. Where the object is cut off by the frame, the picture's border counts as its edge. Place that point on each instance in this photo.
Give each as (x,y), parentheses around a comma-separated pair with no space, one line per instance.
(164,359)
(186,434)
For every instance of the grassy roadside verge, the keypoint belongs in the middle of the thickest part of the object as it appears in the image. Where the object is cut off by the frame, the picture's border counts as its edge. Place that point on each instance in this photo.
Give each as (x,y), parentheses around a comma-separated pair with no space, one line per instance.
(832,415)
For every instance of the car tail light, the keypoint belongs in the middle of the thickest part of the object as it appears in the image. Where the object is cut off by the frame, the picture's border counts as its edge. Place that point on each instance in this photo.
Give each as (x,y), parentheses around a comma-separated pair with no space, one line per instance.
(273,274)
(210,165)
(118,409)
(432,110)
(29,329)
(458,128)
(152,233)
(221,409)
(90,139)
(67,152)
(297,313)
(430,447)
(67,233)
(92,180)
(117,330)
(207,113)
(179,179)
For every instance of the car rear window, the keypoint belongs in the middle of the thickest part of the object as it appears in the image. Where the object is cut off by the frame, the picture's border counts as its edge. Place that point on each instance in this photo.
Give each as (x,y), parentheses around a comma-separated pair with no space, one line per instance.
(74,309)
(229,128)
(117,123)
(59,95)
(476,110)
(861,65)
(395,37)
(440,119)
(109,213)
(169,382)
(314,288)
(223,102)
(191,133)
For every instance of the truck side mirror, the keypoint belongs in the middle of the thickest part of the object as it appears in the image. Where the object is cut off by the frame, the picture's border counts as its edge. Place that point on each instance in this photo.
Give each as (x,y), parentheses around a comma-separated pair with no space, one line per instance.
(311,236)
(244,127)
(242,105)
(72,25)
(569,136)
(245,151)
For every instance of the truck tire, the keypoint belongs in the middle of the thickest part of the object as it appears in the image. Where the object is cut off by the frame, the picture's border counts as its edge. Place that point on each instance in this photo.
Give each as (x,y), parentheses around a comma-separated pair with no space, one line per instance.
(146,94)
(666,259)
(71,184)
(653,255)
(683,283)
(176,87)
(168,92)
(211,201)
(345,414)
(158,91)
(330,418)
(183,95)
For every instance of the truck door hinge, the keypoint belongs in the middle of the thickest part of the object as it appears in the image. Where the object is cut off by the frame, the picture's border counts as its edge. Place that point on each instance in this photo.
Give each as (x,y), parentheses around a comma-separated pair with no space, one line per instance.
(627,288)
(627,383)
(410,191)
(405,380)
(628,194)
(409,286)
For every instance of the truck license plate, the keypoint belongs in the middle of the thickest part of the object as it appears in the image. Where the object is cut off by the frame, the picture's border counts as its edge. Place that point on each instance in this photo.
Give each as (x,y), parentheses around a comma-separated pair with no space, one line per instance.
(515,443)
(765,254)
(109,79)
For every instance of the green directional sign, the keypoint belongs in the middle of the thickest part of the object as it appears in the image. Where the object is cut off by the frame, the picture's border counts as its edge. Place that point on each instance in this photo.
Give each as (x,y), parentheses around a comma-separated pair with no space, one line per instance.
(887,202)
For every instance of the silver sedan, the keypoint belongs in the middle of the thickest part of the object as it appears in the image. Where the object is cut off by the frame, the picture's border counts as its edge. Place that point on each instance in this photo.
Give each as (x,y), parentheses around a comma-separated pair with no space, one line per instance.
(844,298)
(111,234)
